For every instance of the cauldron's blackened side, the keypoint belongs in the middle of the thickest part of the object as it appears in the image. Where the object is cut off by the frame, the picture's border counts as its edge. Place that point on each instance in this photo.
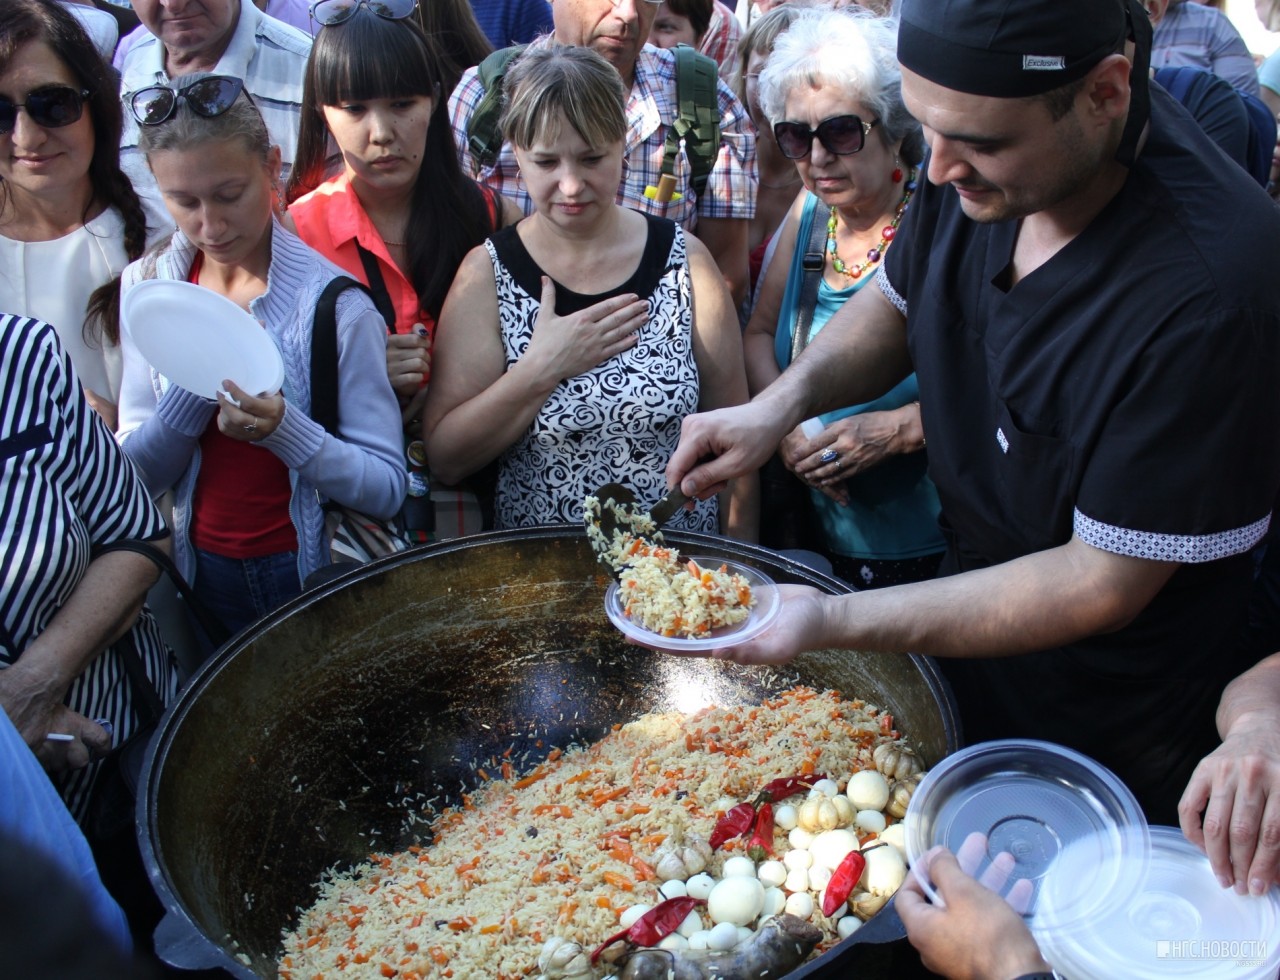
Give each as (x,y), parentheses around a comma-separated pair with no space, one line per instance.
(311,738)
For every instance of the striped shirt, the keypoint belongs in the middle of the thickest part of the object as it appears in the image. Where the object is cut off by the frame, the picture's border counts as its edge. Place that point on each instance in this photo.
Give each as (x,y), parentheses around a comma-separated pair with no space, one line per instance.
(651,108)
(65,487)
(271,58)
(1192,35)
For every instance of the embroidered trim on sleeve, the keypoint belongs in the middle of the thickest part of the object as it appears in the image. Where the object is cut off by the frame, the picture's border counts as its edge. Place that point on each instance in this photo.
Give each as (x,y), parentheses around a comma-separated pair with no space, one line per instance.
(891,294)
(1187,548)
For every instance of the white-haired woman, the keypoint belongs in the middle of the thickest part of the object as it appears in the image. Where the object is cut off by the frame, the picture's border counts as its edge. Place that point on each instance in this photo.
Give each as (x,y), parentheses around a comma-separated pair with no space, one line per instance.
(832,91)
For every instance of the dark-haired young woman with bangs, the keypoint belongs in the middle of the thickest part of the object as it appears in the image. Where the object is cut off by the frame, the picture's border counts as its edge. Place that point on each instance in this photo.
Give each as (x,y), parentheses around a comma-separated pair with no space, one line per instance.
(402,215)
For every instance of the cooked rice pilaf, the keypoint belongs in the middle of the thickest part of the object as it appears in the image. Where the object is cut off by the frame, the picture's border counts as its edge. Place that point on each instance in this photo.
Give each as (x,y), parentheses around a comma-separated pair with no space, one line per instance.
(660,591)
(563,849)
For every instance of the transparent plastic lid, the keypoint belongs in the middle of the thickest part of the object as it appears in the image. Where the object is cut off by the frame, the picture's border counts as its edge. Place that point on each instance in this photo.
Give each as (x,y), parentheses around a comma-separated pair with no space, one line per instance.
(1179,923)
(1044,805)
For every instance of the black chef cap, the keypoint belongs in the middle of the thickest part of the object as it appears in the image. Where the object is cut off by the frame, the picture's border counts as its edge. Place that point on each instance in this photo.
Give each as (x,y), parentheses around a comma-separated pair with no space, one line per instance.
(1018,48)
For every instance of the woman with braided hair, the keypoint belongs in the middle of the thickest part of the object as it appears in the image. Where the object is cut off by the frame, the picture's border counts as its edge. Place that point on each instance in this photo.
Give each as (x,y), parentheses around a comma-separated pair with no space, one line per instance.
(69,218)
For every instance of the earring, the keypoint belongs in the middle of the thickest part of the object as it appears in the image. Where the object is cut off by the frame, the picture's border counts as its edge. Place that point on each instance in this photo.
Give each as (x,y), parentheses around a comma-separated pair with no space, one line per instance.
(896,176)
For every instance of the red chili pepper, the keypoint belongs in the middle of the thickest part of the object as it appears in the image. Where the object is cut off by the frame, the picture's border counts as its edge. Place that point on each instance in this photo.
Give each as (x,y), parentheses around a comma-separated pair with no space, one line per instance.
(840,887)
(734,823)
(655,925)
(779,789)
(761,844)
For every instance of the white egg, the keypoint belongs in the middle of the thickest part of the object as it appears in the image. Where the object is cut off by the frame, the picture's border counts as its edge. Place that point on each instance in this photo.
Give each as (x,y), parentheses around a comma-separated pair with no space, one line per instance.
(772,873)
(739,867)
(775,900)
(868,790)
(800,905)
(798,859)
(745,933)
(818,878)
(628,917)
(738,900)
(675,888)
(896,835)
(885,870)
(827,787)
(847,926)
(674,942)
(692,923)
(870,821)
(723,935)
(797,880)
(830,847)
(800,838)
(786,817)
(699,886)
(699,939)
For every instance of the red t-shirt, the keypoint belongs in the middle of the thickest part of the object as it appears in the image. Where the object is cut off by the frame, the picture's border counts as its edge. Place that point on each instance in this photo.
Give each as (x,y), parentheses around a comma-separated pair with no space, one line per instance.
(241,504)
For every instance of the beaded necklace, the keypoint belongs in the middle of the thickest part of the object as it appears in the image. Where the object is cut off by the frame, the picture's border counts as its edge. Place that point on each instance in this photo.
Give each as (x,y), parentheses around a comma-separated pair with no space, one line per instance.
(887,234)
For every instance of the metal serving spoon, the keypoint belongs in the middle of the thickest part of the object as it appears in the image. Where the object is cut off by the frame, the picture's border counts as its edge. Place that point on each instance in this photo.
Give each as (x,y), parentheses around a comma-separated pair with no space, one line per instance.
(661,512)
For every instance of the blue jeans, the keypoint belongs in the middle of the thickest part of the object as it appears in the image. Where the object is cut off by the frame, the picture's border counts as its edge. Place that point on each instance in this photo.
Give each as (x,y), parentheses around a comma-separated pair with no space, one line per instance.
(240,591)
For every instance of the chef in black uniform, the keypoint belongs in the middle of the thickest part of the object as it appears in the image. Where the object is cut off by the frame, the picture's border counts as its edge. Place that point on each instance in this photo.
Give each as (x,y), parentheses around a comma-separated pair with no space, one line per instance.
(1087,291)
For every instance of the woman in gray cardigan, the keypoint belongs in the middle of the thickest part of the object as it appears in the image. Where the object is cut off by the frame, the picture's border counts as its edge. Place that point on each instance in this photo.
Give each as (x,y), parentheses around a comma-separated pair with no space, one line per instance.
(250,472)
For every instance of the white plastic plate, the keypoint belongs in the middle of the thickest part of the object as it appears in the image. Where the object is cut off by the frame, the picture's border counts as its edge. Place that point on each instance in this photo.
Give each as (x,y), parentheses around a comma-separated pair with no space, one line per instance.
(763,613)
(196,338)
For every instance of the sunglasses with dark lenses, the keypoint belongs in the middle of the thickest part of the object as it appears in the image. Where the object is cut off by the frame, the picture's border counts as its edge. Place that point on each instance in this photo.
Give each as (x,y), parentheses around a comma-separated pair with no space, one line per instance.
(841,135)
(51,106)
(209,96)
(326,13)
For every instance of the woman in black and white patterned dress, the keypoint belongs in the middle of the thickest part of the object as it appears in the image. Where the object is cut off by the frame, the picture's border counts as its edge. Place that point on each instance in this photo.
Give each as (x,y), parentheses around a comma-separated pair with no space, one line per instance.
(573,344)
(65,488)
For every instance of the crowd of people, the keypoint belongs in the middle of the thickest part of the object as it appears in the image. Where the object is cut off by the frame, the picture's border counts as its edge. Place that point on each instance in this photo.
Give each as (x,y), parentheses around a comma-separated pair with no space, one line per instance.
(934,292)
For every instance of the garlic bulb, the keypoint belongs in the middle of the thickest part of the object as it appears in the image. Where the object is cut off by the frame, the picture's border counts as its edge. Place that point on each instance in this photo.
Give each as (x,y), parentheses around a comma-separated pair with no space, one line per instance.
(561,960)
(895,760)
(828,816)
(844,810)
(808,815)
(669,866)
(900,795)
(865,905)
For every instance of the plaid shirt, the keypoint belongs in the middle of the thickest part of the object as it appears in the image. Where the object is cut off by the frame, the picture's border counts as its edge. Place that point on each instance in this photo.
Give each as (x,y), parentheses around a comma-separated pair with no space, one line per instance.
(1195,36)
(651,108)
(721,40)
(271,58)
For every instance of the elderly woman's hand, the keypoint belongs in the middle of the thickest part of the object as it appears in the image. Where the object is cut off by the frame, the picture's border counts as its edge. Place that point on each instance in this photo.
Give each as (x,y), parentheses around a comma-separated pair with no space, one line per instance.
(32,698)
(253,419)
(859,442)
(566,346)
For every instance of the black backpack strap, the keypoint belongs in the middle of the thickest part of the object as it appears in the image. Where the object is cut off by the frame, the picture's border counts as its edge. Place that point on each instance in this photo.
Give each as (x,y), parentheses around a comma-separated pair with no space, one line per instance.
(813,261)
(324,353)
(484,136)
(698,119)
(377,286)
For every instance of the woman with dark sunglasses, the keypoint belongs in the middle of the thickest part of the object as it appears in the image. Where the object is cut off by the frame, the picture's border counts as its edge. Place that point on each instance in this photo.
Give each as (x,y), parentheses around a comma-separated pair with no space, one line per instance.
(69,219)
(251,471)
(832,89)
(401,216)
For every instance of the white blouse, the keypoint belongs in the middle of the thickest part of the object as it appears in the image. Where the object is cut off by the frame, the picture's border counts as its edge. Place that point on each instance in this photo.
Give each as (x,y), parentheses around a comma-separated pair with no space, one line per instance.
(52,281)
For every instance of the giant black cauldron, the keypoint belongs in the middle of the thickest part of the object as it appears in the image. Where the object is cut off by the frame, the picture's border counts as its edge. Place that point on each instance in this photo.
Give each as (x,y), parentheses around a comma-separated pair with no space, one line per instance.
(306,740)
